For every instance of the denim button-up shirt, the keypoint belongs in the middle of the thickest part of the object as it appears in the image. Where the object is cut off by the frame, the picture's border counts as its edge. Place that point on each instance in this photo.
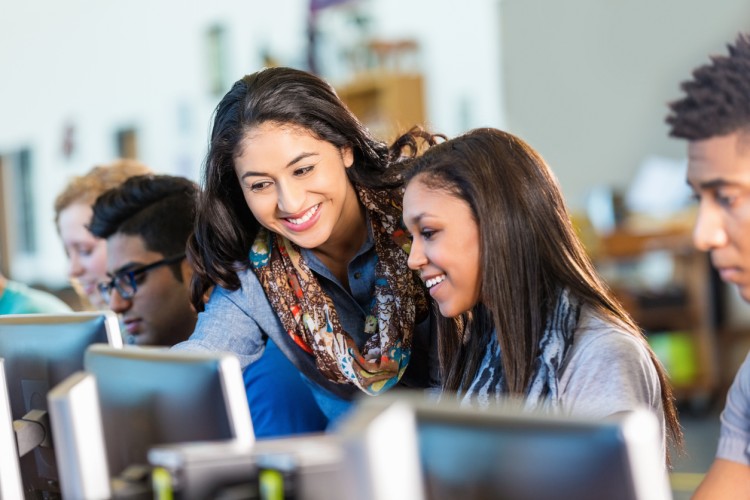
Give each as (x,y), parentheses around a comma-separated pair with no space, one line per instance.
(240,321)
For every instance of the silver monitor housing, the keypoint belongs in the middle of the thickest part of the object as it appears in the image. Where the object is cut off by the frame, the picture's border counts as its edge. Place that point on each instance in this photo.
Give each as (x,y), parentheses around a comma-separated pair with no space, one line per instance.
(152,396)
(40,351)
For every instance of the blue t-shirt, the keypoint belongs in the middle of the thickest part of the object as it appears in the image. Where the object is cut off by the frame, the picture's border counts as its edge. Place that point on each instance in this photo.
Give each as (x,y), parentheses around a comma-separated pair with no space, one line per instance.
(281,402)
(18,298)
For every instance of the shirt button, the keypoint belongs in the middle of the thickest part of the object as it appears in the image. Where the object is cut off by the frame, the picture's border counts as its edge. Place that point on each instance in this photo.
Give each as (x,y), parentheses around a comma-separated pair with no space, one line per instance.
(357,276)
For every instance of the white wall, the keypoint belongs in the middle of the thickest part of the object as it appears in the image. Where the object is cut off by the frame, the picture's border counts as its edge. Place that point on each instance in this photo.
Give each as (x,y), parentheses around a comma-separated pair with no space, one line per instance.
(105,64)
(587,81)
(584,81)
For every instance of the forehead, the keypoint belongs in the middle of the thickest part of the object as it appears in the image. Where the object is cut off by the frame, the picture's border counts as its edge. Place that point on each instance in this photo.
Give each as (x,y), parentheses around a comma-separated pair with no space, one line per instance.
(422,200)
(123,249)
(270,139)
(75,217)
(726,158)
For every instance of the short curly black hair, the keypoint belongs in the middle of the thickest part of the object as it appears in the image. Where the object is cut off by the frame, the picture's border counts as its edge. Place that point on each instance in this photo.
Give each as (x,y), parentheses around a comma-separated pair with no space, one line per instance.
(717,99)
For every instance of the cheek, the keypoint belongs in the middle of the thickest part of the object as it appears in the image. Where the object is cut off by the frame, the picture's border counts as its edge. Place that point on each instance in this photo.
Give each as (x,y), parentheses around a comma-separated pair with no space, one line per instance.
(737,227)
(261,207)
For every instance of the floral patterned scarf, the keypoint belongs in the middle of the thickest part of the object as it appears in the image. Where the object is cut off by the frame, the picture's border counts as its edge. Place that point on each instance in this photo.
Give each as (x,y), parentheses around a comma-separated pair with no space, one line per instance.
(309,315)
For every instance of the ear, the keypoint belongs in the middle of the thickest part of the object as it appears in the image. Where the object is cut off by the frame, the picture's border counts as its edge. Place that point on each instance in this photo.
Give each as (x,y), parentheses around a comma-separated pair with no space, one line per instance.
(347,155)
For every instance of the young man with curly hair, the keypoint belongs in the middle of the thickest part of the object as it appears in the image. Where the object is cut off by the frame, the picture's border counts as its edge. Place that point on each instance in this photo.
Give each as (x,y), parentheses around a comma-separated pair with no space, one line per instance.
(714,116)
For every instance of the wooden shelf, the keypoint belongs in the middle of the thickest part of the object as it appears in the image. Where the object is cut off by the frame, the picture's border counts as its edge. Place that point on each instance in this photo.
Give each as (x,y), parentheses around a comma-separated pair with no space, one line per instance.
(687,303)
(388,103)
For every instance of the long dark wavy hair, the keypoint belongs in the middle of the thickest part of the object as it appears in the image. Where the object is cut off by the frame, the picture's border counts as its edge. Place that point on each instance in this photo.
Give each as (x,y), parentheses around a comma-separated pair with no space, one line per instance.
(225,227)
(529,251)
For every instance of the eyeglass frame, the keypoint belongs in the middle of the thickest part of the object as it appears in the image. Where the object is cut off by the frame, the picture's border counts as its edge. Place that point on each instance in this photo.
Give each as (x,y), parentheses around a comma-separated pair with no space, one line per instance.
(105,287)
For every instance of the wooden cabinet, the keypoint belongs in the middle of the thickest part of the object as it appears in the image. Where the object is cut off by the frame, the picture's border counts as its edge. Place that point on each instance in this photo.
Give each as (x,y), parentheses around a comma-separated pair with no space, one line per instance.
(678,304)
(388,103)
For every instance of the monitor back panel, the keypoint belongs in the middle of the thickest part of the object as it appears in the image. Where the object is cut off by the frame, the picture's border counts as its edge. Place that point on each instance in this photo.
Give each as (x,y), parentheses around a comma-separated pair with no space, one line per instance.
(40,351)
(149,397)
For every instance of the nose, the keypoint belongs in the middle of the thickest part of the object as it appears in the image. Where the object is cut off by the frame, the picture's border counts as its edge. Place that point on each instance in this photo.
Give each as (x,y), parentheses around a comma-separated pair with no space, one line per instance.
(117,303)
(76,269)
(417,258)
(709,231)
(291,198)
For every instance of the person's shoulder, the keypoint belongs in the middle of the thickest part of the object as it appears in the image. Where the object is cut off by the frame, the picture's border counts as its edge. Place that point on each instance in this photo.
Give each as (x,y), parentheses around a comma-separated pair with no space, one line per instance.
(23,299)
(742,377)
(249,297)
(249,286)
(597,333)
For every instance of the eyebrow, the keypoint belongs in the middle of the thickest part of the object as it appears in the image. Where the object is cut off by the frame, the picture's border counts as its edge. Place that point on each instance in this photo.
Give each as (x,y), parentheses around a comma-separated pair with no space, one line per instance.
(293,161)
(417,218)
(713,183)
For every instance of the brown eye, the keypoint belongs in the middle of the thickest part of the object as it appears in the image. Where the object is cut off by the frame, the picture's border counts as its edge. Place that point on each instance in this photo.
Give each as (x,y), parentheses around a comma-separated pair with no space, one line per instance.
(302,171)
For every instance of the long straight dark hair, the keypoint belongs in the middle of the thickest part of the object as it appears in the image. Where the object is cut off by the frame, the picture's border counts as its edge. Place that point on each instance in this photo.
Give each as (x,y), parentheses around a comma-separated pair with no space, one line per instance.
(225,227)
(529,251)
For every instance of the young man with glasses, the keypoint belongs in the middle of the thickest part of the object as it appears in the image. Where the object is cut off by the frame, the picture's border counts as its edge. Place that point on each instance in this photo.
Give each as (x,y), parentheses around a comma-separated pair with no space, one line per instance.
(147,221)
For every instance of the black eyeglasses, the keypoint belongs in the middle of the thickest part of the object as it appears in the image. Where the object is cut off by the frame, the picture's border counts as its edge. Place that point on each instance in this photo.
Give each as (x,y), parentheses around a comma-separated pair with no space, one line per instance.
(125,281)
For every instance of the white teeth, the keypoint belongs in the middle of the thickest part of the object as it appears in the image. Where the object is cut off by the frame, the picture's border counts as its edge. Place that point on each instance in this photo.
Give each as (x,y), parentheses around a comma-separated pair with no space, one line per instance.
(305,217)
(434,281)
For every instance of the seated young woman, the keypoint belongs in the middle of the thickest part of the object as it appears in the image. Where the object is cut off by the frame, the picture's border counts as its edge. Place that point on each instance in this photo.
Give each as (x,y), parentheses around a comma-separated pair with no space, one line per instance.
(524,312)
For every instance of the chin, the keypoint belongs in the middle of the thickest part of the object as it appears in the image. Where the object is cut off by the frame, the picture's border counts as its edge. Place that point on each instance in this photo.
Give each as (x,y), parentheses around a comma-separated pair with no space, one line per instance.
(448,311)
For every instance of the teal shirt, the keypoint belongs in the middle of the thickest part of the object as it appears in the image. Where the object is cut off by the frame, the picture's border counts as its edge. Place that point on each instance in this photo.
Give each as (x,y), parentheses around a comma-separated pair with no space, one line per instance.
(18,298)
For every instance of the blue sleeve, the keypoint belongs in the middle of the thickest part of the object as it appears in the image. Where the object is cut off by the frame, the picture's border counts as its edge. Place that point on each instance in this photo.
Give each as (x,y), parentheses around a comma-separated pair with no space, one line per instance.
(734,440)
(281,402)
(226,326)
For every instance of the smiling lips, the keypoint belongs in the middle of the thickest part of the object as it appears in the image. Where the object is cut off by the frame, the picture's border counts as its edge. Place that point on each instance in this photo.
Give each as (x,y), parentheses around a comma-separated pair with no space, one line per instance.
(305,217)
(434,281)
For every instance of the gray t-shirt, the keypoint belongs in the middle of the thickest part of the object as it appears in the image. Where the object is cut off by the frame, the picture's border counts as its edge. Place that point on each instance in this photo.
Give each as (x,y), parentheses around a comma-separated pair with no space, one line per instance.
(609,371)
(606,371)
(734,440)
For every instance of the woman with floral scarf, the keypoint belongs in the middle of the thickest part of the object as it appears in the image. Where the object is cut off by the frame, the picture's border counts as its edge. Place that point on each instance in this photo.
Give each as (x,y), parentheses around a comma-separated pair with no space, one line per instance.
(298,237)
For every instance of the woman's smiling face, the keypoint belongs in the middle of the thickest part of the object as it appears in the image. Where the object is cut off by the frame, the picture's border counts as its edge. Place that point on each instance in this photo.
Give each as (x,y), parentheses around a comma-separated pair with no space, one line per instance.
(296,184)
(445,246)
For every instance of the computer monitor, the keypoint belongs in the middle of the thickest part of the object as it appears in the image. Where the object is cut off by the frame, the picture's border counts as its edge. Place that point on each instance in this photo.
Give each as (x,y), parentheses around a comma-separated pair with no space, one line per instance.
(509,453)
(11,487)
(40,351)
(379,440)
(78,435)
(151,396)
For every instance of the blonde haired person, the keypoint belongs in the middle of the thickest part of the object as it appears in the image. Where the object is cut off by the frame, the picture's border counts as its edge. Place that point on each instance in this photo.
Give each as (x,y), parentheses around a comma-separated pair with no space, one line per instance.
(87,254)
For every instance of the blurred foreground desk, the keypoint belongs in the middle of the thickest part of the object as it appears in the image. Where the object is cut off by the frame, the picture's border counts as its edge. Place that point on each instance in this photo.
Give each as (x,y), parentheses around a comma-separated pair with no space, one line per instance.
(666,285)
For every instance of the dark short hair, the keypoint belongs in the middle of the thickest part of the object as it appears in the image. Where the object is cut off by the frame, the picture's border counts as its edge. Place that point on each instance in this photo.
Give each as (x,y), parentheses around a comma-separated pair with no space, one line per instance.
(158,208)
(717,98)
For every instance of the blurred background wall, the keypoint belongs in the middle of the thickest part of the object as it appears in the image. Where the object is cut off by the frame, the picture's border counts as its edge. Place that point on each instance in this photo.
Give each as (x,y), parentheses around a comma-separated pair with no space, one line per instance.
(85,81)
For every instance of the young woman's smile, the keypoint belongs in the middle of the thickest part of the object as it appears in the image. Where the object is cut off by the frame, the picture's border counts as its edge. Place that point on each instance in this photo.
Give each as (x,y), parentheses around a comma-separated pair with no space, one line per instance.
(296,185)
(445,246)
